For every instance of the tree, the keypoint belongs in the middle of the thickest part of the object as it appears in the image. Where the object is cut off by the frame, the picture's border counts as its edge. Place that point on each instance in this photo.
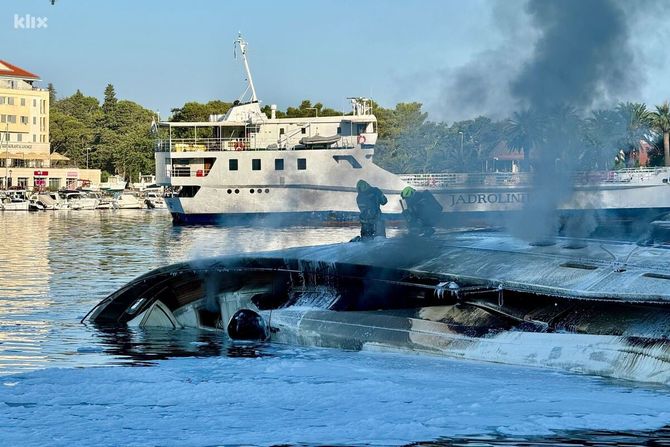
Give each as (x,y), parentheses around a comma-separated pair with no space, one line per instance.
(52,93)
(660,121)
(636,120)
(525,131)
(110,101)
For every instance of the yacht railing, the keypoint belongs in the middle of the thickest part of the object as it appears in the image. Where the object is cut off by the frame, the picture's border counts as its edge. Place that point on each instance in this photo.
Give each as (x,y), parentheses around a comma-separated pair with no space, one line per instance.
(443,180)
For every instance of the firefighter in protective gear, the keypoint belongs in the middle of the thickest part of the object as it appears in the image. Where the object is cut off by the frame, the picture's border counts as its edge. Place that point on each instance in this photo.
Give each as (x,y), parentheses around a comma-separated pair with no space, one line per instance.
(421,210)
(369,199)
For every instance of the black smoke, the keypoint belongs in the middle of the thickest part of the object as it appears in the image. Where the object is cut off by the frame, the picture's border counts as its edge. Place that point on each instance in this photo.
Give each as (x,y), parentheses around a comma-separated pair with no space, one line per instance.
(582,58)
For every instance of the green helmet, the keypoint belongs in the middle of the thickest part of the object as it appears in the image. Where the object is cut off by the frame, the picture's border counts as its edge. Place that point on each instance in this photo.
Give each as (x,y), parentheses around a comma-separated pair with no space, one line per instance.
(407,192)
(362,185)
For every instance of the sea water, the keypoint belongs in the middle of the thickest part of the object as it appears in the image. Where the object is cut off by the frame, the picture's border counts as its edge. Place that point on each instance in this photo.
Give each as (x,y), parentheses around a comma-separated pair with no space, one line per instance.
(65,383)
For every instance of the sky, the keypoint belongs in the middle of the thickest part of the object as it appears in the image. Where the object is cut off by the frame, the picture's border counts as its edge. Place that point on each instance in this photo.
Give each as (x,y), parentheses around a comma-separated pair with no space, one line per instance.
(163,53)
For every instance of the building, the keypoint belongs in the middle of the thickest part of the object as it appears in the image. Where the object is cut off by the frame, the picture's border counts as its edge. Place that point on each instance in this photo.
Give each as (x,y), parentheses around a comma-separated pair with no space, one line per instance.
(26,160)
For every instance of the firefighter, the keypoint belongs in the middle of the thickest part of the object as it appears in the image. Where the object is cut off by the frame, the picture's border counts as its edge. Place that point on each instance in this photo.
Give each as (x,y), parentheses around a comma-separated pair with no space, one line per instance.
(369,199)
(421,210)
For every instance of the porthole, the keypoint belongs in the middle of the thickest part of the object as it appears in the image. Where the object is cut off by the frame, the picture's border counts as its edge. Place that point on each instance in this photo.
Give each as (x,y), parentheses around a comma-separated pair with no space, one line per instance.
(259,190)
(237,191)
(230,191)
(251,191)
(267,190)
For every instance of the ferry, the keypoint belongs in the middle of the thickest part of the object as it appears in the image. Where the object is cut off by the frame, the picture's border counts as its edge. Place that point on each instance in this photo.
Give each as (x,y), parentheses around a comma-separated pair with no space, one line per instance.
(245,165)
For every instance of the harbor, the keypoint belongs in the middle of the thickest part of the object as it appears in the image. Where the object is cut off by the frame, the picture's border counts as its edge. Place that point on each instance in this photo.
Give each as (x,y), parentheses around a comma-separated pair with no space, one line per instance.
(438,224)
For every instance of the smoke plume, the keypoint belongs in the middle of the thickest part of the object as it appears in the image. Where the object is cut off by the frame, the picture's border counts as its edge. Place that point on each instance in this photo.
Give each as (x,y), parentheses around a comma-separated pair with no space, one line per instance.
(581,58)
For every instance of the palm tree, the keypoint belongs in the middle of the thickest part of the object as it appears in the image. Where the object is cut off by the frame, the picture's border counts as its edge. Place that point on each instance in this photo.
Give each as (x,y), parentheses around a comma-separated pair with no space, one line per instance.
(525,131)
(660,121)
(637,121)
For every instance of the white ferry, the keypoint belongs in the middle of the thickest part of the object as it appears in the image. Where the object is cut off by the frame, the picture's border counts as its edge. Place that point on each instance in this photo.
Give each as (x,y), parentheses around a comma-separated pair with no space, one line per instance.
(247,165)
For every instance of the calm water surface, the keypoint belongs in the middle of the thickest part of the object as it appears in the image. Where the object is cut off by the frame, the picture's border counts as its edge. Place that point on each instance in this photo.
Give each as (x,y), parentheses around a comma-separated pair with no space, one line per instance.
(55,266)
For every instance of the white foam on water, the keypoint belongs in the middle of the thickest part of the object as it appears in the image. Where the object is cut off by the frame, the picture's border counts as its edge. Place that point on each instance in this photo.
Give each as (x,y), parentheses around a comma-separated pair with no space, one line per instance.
(313,396)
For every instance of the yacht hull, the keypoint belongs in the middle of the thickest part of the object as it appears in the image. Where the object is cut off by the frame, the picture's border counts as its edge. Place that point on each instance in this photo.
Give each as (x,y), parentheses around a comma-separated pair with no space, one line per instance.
(601,308)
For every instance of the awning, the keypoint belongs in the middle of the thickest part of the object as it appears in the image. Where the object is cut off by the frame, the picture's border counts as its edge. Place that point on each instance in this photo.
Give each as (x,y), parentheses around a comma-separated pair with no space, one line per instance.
(58,157)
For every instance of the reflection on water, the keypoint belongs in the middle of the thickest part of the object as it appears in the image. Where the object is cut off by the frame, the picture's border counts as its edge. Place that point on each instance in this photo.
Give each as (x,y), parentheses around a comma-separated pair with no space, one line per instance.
(55,266)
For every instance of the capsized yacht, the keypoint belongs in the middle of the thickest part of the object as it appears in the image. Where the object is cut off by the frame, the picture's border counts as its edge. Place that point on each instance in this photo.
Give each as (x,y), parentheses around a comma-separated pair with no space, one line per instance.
(582,305)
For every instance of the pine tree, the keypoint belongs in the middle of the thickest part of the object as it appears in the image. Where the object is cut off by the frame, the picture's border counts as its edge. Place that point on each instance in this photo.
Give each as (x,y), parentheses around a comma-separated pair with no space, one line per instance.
(110,100)
(52,93)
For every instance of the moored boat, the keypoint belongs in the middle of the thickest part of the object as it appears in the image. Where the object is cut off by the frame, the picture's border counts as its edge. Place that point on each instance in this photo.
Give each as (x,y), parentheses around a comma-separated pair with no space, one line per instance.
(128,201)
(14,201)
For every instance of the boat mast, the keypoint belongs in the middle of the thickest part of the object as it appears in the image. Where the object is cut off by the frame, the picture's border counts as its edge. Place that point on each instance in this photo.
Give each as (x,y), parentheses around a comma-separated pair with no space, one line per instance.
(243,49)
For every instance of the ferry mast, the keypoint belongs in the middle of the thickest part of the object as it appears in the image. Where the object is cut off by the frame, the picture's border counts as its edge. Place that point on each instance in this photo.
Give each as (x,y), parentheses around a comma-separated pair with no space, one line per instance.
(243,50)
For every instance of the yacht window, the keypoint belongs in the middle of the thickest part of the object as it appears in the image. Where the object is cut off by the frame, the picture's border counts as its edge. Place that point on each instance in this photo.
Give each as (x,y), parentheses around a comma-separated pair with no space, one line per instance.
(303,130)
(281,131)
(302,164)
(279,164)
(256,164)
(232,164)
(339,130)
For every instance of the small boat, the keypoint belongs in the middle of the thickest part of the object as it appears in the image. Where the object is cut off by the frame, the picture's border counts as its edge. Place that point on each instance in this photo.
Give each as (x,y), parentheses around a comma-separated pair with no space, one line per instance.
(13,201)
(154,201)
(34,204)
(104,202)
(78,200)
(128,201)
(115,183)
(318,140)
(47,201)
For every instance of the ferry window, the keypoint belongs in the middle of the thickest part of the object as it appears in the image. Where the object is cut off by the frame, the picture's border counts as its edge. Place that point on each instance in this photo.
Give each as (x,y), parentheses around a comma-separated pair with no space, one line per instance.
(279,164)
(232,164)
(256,164)
(302,164)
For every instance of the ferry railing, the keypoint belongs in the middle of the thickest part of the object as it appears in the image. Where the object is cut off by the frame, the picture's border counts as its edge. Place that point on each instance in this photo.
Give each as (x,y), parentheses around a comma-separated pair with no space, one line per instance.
(187,171)
(203,144)
(443,180)
(446,179)
(229,144)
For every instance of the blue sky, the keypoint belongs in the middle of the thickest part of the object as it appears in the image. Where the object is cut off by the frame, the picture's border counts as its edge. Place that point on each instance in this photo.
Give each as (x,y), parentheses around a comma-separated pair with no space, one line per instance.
(164,53)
